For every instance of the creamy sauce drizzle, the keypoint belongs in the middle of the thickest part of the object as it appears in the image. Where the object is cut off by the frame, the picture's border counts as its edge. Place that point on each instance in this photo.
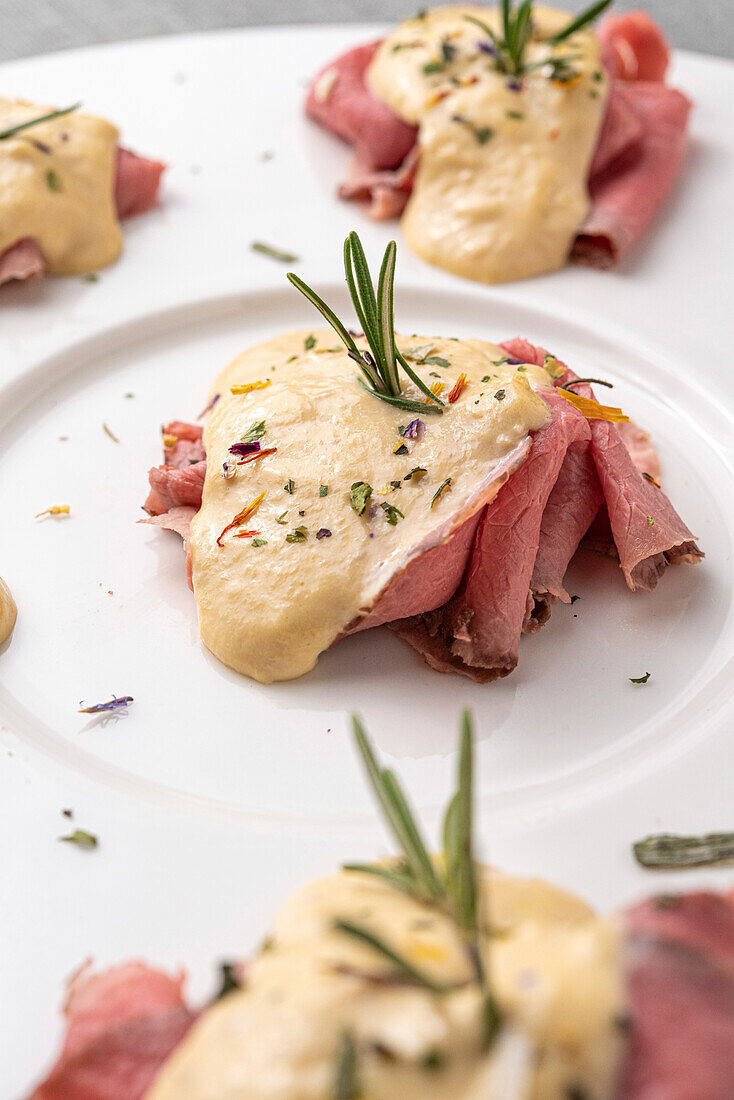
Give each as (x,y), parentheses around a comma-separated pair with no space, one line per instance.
(8,612)
(269,611)
(500,194)
(555,969)
(57,186)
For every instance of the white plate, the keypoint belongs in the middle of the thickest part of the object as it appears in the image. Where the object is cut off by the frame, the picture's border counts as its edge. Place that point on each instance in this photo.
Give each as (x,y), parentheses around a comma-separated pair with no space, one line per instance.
(215,796)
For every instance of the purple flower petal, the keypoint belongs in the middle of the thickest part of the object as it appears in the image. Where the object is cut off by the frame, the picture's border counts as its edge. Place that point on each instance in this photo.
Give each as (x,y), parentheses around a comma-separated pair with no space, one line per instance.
(210,406)
(514,85)
(415,430)
(114,704)
(487,47)
(323,533)
(515,362)
(243,449)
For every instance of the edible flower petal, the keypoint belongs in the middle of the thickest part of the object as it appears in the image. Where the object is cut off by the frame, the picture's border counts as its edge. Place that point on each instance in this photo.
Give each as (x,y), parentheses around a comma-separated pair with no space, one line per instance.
(242,516)
(591,409)
(115,703)
(458,388)
(210,406)
(436,389)
(257,454)
(441,490)
(248,387)
(323,533)
(414,430)
(54,510)
(242,449)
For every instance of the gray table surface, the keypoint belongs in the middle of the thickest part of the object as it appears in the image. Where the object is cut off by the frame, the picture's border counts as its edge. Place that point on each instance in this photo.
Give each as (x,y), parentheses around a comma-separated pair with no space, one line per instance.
(41,26)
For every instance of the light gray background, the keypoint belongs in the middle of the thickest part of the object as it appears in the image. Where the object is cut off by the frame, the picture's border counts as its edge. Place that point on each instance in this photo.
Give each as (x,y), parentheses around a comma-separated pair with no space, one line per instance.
(40,26)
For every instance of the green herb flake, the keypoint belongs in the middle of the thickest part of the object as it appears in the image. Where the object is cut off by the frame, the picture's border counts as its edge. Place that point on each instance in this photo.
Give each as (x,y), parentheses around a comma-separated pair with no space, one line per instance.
(670,851)
(392,514)
(444,487)
(640,679)
(401,449)
(81,838)
(281,518)
(500,395)
(481,133)
(417,472)
(259,542)
(396,485)
(229,981)
(515,114)
(359,494)
(309,342)
(53,180)
(299,535)
(432,67)
(274,253)
(597,77)
(90,277)
(499,362)
(323,490)
(650,521)
(436,361)
(254,432)
(289,486)
(433,1060)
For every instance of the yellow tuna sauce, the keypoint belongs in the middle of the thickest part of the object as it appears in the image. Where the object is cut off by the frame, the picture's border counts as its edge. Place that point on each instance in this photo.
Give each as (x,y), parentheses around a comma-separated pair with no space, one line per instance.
(57,182)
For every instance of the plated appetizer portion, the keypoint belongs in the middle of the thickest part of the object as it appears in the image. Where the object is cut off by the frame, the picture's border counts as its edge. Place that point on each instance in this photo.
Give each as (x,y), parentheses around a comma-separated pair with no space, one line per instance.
(427,976)
(510,139)
(442,490)
(65,183)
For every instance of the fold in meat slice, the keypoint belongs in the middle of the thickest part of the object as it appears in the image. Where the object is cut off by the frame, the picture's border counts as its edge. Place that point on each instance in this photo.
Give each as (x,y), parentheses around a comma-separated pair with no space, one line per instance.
(386,192)
(648,533)
(122,1025)
(179,481)
(625,198)
(341,101)
(571,507)
(477,633)
(633,47)
(680,980)
(137,180)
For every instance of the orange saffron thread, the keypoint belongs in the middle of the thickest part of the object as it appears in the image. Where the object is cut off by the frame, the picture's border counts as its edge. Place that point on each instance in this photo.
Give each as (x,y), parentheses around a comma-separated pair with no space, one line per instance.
(459,387)
(257,454)
(247,387)
(246,534)
(592,410)
(245,514)
(436,388)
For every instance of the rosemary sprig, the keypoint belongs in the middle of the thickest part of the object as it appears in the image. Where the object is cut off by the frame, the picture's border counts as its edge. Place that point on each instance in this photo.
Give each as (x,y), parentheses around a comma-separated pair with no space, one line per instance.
(405,970)
(517,31)
(452,889)
(346,1081)
(13,130)
(580,21)
(578,381)
(376,315)
(669,851)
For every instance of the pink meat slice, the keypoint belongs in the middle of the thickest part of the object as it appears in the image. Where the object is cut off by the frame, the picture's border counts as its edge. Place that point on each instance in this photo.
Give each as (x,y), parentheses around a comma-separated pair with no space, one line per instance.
(648,533)
(625,200)
(137,180)
(339,100)
(23,260)
(171,487)
(680,980)
(477,633)
(633,47)
(136,190)
(385,192)
(621,133)
(433,574)
(122,1025)
(571,507)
